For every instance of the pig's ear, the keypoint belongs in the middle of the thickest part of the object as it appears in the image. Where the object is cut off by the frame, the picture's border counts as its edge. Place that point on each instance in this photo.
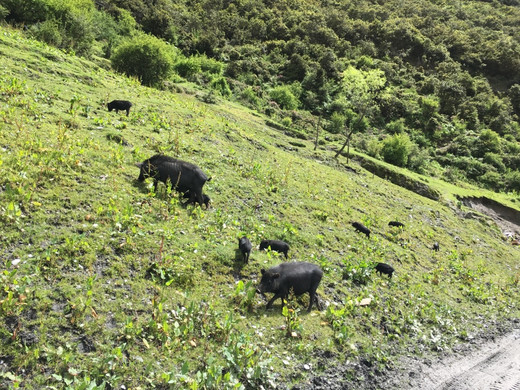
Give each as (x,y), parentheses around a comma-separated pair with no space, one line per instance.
(262,271)
(139,165)
(277,275)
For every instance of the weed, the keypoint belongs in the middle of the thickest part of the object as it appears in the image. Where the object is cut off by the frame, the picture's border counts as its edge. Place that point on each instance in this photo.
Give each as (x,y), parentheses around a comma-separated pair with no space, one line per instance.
(293,325)
(172,271)
(14,291)
(244,295)
(324,262)
(75,100)
(359,273)
(78,307)
(11,213)
(338,320)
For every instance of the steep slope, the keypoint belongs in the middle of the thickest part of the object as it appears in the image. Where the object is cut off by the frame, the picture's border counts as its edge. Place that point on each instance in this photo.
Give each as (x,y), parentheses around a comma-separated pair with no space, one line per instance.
(105,281)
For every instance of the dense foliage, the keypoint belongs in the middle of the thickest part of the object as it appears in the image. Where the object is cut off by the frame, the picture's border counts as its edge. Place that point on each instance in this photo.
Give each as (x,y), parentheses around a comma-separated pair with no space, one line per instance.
(451,69)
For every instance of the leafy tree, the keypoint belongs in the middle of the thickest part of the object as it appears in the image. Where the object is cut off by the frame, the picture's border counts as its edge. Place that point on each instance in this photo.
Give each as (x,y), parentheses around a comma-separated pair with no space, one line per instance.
(146,57)
(296,68)
(360,89)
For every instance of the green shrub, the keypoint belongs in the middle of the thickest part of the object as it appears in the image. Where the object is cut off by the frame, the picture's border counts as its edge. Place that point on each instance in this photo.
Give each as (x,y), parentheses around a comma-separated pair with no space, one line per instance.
(250,97)
(287,121)
(28,11)
(49,32)
(396,149)
(358,273)
(495,160)
(284,97)
(418,159)
(189,67)
(429,107)
(148,58)
(65,24)
(396,127)
(336,124)
(492,180)
(487,142)
(3,12)
(373,147)
(220,85)
(512,181)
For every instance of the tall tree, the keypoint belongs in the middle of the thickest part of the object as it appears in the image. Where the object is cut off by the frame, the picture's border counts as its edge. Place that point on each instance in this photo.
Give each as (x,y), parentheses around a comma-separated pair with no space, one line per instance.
(360,91)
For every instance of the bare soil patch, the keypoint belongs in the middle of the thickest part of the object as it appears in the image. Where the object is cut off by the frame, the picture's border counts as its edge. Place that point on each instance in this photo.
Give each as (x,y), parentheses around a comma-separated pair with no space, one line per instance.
(507,218)
(494,365)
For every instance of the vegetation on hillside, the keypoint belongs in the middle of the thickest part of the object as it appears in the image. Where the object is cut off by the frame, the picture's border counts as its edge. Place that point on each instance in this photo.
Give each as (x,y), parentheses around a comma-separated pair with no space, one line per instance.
(105,283)
(450,70)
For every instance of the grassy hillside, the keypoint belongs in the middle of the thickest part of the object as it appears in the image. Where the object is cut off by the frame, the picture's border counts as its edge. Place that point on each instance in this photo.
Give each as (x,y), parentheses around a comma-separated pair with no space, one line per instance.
(431,86)
(105,283)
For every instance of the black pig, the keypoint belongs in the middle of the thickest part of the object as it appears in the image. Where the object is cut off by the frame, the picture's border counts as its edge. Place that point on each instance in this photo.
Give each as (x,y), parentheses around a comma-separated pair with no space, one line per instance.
(276,245)
(184,176)
(436,246)
(361,228)
(245,247)
(301,277)
(396,224)
(117,105)
(384,268)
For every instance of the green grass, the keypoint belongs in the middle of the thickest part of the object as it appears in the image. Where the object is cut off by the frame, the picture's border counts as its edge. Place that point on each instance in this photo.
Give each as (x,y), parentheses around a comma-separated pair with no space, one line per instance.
(104,281)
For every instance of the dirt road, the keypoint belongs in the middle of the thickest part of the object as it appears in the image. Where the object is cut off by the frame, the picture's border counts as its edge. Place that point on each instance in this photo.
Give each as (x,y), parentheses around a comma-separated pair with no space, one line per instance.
(495,365)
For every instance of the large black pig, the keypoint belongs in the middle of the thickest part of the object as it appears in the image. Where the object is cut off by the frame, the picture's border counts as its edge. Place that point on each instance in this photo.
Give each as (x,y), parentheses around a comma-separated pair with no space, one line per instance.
(117,105)
(184,176)
(275,245)
(301,277)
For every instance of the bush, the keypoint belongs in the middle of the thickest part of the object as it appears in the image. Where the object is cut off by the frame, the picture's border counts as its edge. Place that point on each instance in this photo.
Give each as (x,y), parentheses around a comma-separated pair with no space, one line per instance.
(29,11)
(146,57)
(512,181)
(418,159)
(396,127)
(492,180)
(495,160)
(3,12)
(336,124)
(250,97)
(48,32)
(65,24)
(220,85)
(396,149)
(284,97)
(189,67)
(487,141)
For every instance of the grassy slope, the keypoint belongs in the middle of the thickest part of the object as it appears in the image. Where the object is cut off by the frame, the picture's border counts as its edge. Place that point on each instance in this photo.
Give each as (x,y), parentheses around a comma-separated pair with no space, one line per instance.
(85,233)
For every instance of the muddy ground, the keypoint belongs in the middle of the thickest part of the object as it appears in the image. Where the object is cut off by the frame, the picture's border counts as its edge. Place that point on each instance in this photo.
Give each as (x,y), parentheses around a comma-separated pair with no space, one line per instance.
(487,363)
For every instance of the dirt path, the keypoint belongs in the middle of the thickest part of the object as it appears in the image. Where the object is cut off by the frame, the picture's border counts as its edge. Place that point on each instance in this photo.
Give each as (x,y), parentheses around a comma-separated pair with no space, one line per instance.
(493,366)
